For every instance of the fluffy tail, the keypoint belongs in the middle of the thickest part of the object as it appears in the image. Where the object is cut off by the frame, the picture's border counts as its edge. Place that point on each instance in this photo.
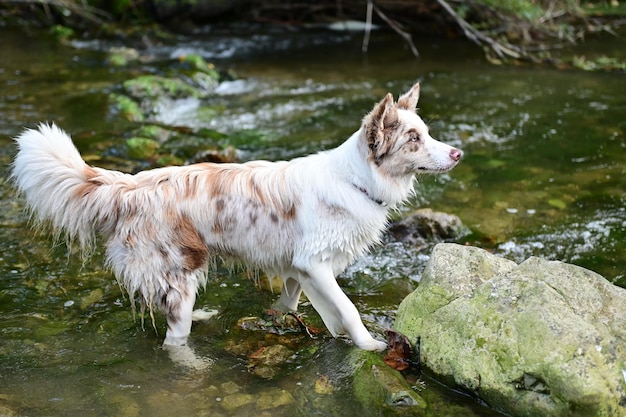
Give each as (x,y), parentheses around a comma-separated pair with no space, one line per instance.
(55,182)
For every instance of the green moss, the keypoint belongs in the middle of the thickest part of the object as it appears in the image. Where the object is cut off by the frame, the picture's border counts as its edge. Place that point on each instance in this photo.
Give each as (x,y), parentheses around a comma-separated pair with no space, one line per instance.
(377,386)
(126,107)
(141,148)
(158,133)
(169,160)
(199,64)
(155,86)
(518,340)
(117,60)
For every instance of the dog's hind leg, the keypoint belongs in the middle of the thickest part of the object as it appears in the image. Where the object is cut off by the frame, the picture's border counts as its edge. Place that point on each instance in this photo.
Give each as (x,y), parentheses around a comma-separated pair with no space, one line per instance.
(177,304)
(333,305)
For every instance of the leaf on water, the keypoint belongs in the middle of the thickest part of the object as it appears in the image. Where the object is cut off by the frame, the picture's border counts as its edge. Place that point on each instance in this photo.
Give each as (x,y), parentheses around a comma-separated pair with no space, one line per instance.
(400,351)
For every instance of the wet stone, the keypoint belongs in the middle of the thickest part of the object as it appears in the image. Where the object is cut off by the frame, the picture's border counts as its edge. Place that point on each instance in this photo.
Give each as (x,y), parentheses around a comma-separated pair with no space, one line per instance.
(274,398)
(230,387)
(425,225)
(233,401)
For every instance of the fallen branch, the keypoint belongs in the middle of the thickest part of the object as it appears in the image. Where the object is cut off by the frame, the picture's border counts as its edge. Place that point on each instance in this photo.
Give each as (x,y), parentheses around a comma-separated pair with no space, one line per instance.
(392,24)
(84,10)
(397,29)
(501,49)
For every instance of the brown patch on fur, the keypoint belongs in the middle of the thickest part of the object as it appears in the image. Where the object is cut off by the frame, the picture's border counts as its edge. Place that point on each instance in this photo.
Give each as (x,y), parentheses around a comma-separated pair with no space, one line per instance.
(90,184)
(192,247)
(219,205)
(218,227)
(253,216)
(379,127)
(290,213)
(334,210)
(374,122)
(254,190)
(130,241)
(210,178)
(191,186)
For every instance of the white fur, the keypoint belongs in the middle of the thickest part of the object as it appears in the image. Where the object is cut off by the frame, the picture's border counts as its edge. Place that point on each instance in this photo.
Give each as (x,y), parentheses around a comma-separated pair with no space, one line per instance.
(304,220)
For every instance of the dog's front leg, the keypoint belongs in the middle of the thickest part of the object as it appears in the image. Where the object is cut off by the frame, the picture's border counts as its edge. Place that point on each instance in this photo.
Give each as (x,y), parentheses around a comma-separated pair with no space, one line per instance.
(333,305)
(289,296)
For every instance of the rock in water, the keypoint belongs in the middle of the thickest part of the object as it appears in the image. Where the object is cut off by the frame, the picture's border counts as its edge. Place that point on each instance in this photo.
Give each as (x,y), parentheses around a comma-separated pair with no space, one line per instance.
(542,338)
(425,225)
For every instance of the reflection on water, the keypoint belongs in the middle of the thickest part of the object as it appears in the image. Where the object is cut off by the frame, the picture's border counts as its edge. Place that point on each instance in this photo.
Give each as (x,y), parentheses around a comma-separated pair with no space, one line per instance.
(543,175)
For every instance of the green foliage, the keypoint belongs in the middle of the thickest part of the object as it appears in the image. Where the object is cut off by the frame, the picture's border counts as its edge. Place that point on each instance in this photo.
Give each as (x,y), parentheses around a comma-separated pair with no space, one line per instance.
(120,7)
(528,10)
(604,8)
(602,63)
(62,33)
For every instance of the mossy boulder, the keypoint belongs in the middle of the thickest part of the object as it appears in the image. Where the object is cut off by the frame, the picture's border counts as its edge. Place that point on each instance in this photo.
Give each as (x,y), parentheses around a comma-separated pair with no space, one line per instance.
(126,107)
(156,86)
(157,97)
(542,338)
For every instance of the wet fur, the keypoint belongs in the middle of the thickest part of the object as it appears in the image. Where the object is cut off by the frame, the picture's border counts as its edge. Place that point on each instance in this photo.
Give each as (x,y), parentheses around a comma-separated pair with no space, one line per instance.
(304,220)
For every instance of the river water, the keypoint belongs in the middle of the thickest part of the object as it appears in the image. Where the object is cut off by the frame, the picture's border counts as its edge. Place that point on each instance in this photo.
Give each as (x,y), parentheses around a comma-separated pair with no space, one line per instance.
(543,174)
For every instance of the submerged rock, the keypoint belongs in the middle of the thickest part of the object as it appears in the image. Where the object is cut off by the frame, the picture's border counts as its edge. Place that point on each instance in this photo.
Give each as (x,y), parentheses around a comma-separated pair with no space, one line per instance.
(337,371)
(542,338)
(121,56)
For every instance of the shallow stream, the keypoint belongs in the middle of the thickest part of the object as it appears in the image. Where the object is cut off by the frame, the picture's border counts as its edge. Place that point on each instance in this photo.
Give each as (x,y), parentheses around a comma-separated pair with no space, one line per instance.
(543,174)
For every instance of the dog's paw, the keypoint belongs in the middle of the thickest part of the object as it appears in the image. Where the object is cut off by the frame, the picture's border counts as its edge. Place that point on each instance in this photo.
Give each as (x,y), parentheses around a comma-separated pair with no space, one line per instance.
(200,315)
(372,344)
(185,356)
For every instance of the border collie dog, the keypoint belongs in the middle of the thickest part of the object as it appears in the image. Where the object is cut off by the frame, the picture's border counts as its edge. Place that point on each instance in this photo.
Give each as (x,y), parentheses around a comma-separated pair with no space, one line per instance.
(304,220)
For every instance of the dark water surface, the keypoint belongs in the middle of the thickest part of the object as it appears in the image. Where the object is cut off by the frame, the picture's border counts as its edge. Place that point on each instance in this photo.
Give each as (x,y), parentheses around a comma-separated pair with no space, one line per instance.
(543,174)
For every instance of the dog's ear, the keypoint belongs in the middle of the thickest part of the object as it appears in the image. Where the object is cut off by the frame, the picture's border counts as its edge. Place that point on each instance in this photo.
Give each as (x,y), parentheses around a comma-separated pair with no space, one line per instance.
(383,116)
(408,101)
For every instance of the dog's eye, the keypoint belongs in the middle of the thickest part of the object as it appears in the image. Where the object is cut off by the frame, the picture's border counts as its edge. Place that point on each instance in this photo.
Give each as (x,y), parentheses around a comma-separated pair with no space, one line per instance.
(414,138)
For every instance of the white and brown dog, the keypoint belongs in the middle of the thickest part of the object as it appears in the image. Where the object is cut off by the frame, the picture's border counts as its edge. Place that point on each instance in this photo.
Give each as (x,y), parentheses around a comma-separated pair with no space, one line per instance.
(303,220)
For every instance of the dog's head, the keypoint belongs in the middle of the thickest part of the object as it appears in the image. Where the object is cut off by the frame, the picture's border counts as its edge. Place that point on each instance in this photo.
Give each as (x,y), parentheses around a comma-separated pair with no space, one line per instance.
(397,140)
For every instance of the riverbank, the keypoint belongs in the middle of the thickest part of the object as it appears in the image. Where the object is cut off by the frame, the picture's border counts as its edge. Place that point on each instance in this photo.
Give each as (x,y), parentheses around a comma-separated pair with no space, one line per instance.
(546,32)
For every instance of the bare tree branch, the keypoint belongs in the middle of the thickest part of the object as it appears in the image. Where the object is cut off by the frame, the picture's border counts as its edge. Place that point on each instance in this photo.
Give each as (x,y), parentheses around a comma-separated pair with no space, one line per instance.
(368,26)
(397,29)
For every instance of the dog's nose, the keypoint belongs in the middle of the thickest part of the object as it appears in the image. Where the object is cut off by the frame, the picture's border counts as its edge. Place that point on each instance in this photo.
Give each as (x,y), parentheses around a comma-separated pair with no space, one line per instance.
(456,154)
